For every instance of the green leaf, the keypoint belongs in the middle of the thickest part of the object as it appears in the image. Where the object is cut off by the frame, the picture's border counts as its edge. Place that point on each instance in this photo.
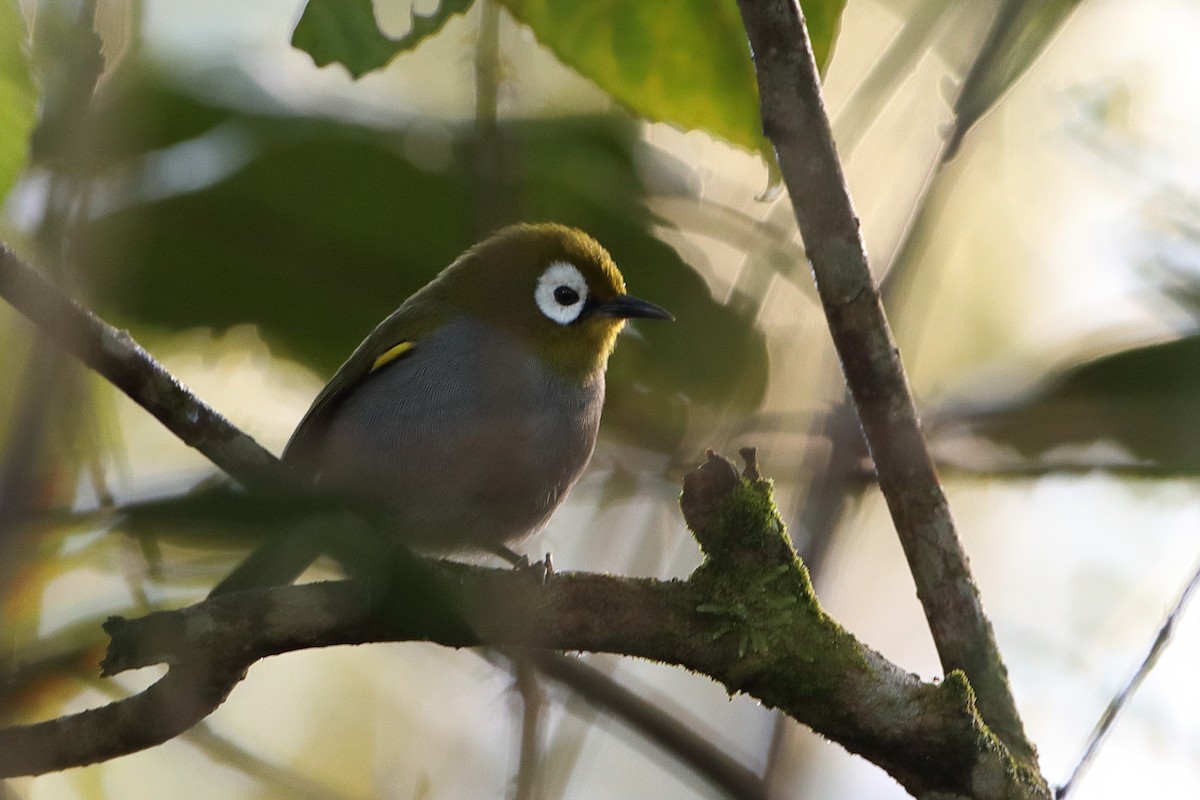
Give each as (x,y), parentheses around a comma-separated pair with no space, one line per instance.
(684,62)
(17,95)
(1143,400)
(823,18)
(346,32)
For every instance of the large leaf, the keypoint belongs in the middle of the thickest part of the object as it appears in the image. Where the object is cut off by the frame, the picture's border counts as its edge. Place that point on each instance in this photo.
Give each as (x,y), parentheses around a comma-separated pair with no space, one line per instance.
(681,61)
(684,62)
(1144,400)
(326,227)
(346,32)
(17,95)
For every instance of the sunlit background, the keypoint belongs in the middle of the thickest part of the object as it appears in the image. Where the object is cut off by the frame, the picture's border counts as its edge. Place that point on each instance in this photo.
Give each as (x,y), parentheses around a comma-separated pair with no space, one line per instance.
(249,217)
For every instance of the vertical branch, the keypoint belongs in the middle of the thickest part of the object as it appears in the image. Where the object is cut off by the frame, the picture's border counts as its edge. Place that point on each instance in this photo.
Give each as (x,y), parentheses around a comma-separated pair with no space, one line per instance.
(533,714)
(489,200)
(795,121)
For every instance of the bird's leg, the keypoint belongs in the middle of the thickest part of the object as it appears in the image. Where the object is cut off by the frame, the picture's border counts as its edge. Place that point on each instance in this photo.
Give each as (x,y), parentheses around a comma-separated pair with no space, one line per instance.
(521,563)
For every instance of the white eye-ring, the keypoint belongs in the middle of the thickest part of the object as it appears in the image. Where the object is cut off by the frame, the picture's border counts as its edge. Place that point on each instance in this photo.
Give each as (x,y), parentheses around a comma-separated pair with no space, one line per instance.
(561,292)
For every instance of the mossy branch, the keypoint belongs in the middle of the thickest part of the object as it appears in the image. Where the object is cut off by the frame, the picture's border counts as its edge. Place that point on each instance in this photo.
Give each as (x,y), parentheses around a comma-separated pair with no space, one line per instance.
(747,617)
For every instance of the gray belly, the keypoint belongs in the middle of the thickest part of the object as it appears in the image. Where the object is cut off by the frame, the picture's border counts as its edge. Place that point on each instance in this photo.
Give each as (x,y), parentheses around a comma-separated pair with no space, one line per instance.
(468,439)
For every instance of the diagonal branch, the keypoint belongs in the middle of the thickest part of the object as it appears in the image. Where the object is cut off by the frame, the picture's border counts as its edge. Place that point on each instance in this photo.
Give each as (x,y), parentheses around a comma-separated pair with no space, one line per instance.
(1118,703)
(601,692)
(794,120)
(114,354)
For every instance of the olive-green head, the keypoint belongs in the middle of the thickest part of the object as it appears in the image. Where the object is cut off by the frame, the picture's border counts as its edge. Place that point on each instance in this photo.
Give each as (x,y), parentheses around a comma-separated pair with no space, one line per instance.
(553,286)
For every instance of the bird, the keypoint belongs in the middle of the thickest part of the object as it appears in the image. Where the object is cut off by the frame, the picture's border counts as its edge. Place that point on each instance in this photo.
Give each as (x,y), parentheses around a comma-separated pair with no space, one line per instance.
(469,412)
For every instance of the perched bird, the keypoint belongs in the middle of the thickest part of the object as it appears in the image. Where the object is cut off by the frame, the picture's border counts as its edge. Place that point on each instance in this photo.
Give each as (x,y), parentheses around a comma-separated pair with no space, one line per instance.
(470,411)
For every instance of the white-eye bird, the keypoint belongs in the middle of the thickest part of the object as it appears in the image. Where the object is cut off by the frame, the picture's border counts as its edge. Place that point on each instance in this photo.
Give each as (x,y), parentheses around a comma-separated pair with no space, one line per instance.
(471,410)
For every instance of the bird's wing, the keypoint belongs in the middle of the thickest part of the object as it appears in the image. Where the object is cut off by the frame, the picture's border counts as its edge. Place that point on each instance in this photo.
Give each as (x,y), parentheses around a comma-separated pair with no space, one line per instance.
(391,340)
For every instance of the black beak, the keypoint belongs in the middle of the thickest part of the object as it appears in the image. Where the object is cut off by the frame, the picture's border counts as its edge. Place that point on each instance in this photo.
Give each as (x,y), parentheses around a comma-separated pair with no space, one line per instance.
(626,306)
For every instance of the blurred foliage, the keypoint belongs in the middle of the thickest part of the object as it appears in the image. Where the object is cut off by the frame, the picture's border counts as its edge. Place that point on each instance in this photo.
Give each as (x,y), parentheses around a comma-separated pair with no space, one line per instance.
(1019,34)
(68,62)
(1143,400)
(318,229)
(346,32)
(18,97)
(685,62)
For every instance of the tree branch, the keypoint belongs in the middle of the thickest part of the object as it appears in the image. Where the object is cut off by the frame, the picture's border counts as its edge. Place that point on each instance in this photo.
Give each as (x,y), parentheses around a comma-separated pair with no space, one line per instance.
(747,617)
(794,120)
(114,354)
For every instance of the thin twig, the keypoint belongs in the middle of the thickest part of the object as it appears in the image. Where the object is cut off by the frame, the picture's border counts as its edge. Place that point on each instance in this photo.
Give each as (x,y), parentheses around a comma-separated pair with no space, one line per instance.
(1123,697)
(795,121)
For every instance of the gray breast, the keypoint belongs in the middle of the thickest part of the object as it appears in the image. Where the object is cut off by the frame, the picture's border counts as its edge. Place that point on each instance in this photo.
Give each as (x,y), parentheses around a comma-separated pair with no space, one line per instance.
(469,438)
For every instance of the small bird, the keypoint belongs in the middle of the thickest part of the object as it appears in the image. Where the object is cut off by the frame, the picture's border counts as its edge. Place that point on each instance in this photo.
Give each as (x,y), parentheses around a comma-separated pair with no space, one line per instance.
(471,410)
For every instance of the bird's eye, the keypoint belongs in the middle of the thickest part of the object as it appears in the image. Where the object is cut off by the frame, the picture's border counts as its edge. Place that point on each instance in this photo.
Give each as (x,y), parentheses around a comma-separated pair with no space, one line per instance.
(566,296)
(561,292)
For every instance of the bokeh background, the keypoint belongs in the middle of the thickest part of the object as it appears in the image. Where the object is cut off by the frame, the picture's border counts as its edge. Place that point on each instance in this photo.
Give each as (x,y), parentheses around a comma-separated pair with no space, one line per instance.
(1028,195)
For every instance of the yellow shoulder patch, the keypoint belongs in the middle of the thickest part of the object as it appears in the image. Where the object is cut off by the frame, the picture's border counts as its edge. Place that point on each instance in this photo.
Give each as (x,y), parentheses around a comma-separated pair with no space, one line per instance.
(391,354)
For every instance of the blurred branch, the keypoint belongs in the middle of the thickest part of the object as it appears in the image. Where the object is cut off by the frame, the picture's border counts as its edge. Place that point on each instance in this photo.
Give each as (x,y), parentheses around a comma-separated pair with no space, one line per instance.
(48,393)
(115,355)
(990,73)
(829,492)
(972,100)
(533,716)
(1119,702)
(490,204)
(286,781)
(602,692)
(892,68)
(746,617)
(1013,41)
(794,120)
(1019,33)
(1082,466)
